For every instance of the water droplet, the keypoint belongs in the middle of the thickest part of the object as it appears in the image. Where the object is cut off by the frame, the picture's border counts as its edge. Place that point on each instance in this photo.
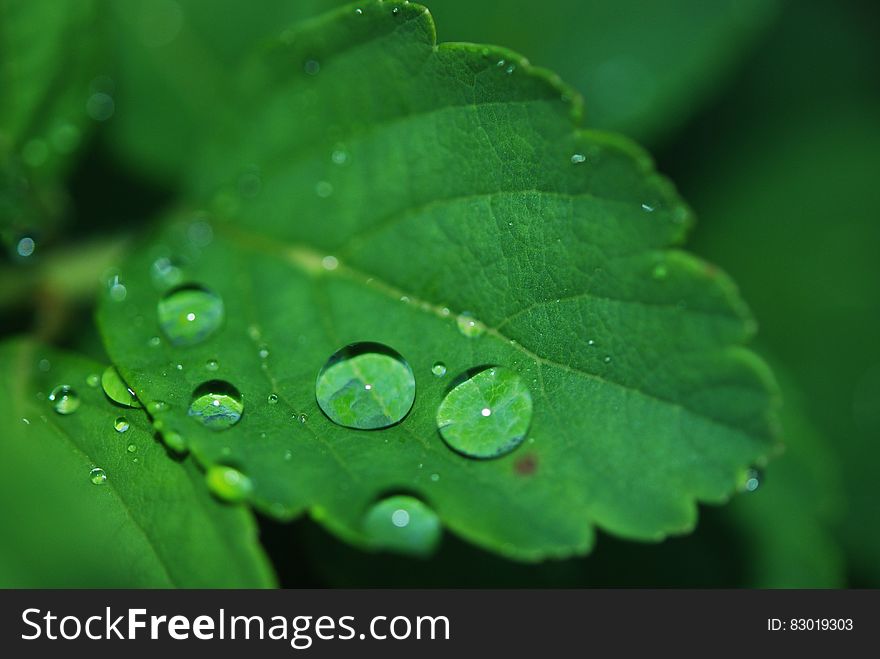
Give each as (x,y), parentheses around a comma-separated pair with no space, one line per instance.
(751,481)
(155,407)
(272,399)
(591,342)
(25,421)
(330,263)
(607,359)
(439,369)
(117,290)
(323,189)
(44,365)
(578,158)
(510,69)
(366,386)
(25,246)
(228,483)
(166,273)
(358,11)
(217,405)
(647,208)
(435,477)
(395,11)
(468,325)
(500,63)
(212,364)
(660,271)
(263,351)
(93,380)
(312,67)
(404,524)
(486,413)
(302,417)
(190,314)
(116,389)
(98,476)
(64,399)
(121,424)
(131,448)
(339,156)
(174,441)
(100,106)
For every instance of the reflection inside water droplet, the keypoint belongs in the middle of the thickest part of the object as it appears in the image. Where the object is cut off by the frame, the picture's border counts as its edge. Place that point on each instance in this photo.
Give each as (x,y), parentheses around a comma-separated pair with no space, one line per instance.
(486,413)
(366,386)
(216,405)
(64,399)
(190,314)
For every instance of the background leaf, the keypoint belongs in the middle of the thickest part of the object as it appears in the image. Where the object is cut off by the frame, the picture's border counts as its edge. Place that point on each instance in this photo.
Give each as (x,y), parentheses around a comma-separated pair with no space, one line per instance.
(556,239)
(150,524)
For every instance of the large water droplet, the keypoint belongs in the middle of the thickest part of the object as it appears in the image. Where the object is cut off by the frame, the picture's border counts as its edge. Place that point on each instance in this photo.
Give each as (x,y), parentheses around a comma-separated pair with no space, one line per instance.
(64,399)
(366,386)
(98,476)
(228,483)
(486,413)
(190,314)
(468,325)
(116,389)
(121,424)
(404,524)
(217,405)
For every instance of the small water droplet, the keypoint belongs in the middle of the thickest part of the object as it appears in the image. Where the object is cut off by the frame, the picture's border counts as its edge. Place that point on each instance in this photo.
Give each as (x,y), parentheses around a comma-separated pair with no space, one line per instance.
(751,481)
(212,364)
(578,158)
(329,263)
(100,106)
(312,67)
(116,289)
(486,413)
(435,477)
(366,386)
(93,380)
(660,271)
(591,342)
(189,314)
(154,342)
(156,407)
(302,417)
(131,448)
(116,390)
(44,365)
(64,399)
(263,351)
(216,405)
(395,11)
(358,11)
(25,421)
(166,273)
(468,325)
(25,246)
(227,483)
(272,399)
(404,524)
(323,189)
(121,424)
(439,369)
(510,69)
(647,208)
(500,63)
(445,312)
(607,359)
(288,455)
(98,476)
(339,156)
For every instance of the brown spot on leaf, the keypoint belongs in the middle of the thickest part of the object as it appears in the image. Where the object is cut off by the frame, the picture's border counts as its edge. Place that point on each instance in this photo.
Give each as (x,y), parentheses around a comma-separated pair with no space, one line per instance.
(526,465)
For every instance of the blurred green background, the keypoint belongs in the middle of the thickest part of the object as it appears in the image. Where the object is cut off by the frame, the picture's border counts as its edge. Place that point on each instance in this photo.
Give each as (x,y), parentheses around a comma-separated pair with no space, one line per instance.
(764,114)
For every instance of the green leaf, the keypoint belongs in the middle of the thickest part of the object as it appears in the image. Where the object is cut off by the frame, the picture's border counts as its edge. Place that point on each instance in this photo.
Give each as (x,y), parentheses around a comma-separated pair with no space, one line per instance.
(391,185)
(44,105)
(142,520)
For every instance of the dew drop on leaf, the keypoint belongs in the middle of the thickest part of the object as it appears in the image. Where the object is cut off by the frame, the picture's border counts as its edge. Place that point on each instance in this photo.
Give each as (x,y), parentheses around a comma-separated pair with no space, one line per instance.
(121,424)
(404,524)
(578,158)
(272,399)
(116,389)
(212,364)
(439,369)
(166,273)
(486,413)
(228,483)
(468,325)
(366,386)
(189,314)
(216,405)
(131,448)
(93,380)
(64,399)
(98,476)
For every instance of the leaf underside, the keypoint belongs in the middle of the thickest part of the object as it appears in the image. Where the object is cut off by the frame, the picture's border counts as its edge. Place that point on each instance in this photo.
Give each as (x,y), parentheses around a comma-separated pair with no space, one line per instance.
(445,179)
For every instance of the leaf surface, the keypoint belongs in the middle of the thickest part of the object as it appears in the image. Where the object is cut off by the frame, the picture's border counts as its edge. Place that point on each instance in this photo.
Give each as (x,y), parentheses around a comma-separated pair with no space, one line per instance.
(147,522)
(441,201)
